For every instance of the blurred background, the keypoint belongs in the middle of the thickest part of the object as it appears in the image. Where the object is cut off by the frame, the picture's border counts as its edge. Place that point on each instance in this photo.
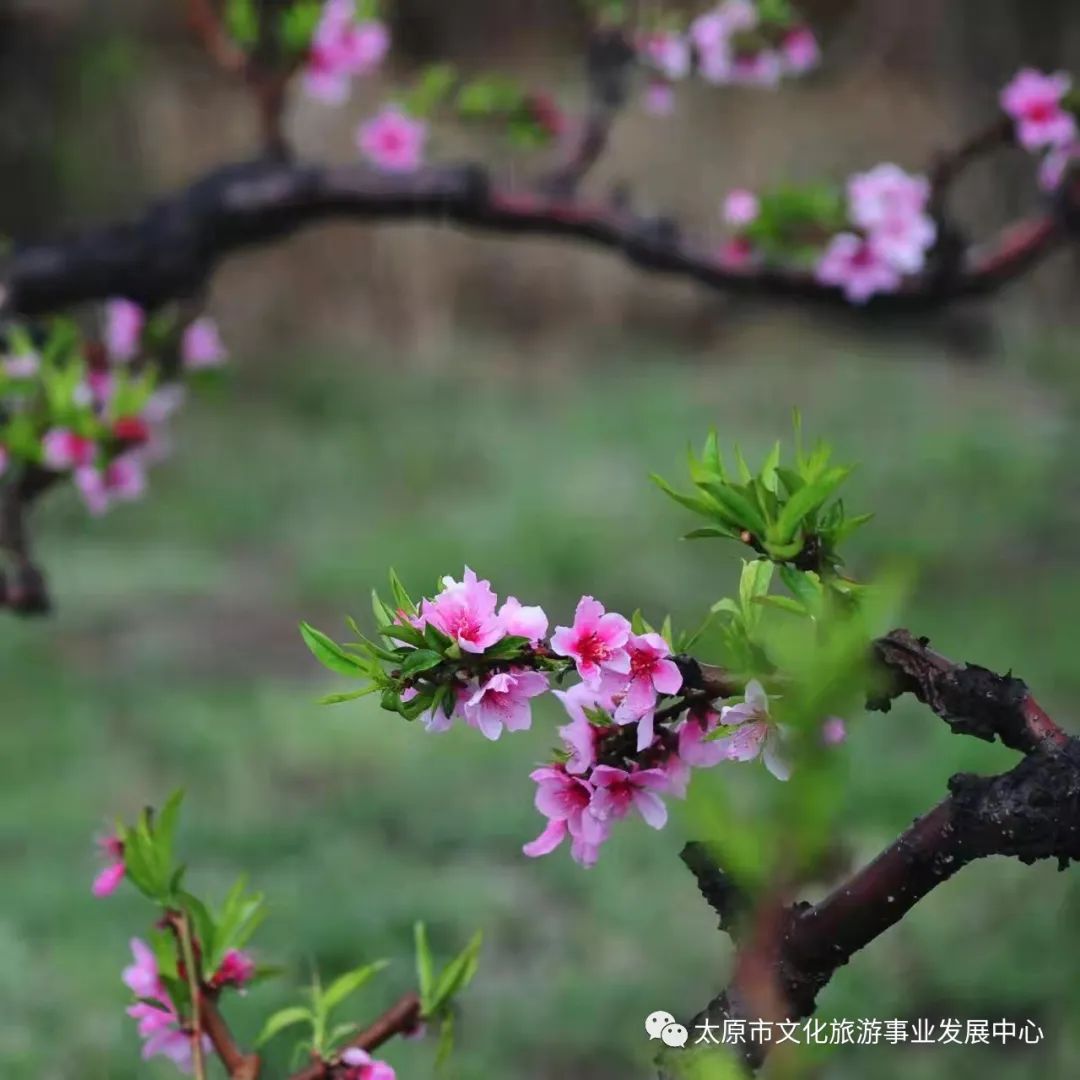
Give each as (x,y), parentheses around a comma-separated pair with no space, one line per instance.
(416,397)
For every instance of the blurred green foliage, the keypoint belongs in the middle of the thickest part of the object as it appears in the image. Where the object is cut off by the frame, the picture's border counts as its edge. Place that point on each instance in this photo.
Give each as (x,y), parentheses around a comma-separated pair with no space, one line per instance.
(174,659)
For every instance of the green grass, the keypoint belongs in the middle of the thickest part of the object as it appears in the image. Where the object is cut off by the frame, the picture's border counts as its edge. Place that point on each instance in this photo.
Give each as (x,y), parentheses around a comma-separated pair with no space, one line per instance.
(174,660)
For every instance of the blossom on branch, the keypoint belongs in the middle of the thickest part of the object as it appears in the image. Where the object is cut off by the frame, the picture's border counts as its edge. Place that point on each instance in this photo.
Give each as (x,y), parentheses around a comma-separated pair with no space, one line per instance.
(160,1025)
(465,612)
(341,49)
(237,969)
(108,880)
(502,701)
(756,735)
(393,141)
(1036,102)
(124,324)
(201,345)
(854,264)
(596,642)
(362,1066)
(122,480)
(63,449)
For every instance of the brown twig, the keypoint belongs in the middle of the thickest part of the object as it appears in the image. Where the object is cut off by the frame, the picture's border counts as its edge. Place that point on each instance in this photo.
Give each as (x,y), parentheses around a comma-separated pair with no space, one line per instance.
(205,22)
(238,1065)
(402,1018)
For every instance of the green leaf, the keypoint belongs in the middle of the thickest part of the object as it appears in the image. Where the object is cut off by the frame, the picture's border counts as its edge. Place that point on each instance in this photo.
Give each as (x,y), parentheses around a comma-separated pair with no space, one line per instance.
(431,90)
(457,974)
(338,699)
(242,21)
(446,1042)
(425,976)
(345,985)
(420,660)
(805,502)
(696,503)
(711,531)
(330,654)
(282,1019)
(737,507)
(784,603)
(401,597)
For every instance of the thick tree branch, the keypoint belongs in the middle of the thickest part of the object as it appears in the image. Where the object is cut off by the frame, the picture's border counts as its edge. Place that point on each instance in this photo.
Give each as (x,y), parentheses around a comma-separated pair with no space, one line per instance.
(1031,812)
(970,699)
(171,250)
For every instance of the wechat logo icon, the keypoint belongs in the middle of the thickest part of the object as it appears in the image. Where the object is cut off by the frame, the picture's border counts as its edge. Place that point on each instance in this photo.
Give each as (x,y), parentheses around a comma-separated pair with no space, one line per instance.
(662,1026)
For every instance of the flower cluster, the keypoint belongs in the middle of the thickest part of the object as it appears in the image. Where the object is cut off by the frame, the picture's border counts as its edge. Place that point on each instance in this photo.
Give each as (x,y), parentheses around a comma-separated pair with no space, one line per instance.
(160,1025)
(96,410)
(635,731)
(889,209)
(1044,122)
(342,48)
(734,43)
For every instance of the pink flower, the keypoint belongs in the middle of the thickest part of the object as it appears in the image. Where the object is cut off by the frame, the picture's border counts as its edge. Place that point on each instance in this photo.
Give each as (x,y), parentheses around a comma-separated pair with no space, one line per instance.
(833,731)
(201,346)
(342,48)
(800,51)
(756,735)
(362,1066)
(465,612)
(393,141)
(596,641)
(526,622)
(904,241)
(694,748)
(741,208)
(581,735)
(108,880)
(668,53)
(617,792)
(502,701)
(62,449)
(1034,101)
(124,322)
(854,265)
(122,480)
(659,98)
(160,1026)
(651,674)
(237,969)
(566,802)
(24,366)
(884,193)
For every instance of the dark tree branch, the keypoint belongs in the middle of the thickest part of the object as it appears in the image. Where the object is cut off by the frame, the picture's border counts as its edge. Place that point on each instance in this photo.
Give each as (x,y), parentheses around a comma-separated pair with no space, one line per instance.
(172,249)
(970,699)
(1031,812)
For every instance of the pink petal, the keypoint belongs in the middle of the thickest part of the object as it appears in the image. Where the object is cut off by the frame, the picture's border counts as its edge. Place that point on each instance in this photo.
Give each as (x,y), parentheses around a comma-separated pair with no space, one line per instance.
(552,836)
(108,881)
(651,807)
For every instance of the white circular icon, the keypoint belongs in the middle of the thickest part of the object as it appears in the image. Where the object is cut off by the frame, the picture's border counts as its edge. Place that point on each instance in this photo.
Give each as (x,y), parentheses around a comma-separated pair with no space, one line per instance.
(656,1022)
(674,1035)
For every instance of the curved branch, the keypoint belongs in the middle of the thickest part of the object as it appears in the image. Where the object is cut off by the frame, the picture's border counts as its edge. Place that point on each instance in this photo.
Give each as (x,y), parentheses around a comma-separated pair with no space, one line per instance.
(1031,812)
(173,248)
